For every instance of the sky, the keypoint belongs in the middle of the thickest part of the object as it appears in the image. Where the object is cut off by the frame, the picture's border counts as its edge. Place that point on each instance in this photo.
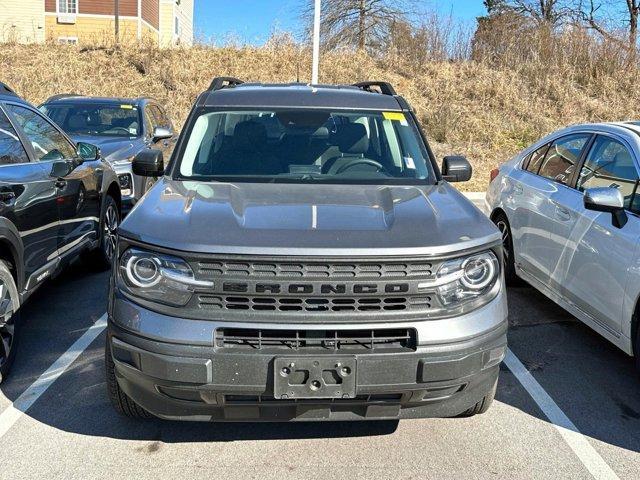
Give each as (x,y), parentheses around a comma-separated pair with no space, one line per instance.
(252,21)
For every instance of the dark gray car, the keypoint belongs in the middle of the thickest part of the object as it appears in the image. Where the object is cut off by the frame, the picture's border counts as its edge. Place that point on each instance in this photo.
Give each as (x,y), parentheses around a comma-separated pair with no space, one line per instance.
(121,128)
(303,258)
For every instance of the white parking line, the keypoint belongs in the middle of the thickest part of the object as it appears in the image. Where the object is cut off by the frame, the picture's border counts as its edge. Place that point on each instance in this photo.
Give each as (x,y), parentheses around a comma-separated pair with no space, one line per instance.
(11,415)
(588,455)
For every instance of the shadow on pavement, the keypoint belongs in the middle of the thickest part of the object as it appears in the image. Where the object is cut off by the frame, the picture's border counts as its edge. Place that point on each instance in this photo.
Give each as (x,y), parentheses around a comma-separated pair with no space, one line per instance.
(592,382)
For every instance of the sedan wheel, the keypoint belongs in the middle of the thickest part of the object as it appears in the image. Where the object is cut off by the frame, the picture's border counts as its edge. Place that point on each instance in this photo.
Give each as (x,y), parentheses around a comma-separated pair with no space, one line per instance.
(507,243)
(506,238)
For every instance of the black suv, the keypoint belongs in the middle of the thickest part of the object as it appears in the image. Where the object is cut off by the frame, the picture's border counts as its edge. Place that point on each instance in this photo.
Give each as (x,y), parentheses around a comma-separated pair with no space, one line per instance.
(57,200)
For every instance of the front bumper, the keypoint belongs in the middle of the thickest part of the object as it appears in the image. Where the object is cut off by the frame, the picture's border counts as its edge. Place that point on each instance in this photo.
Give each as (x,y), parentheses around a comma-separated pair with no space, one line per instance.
(196,380)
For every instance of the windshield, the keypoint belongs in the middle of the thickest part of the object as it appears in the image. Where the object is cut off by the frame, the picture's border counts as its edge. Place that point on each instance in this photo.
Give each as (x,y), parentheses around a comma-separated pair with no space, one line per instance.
(305,146)
(96,119)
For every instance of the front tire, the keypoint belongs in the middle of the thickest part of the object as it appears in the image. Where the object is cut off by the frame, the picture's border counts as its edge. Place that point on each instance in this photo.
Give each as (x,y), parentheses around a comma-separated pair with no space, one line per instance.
(120,400)
(483,405)
(9,320)
(102,256)
(510,275)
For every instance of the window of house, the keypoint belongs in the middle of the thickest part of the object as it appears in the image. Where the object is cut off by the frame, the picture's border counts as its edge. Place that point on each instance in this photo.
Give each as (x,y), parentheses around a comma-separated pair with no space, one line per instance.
(68,6)
(68,40)
(177,26)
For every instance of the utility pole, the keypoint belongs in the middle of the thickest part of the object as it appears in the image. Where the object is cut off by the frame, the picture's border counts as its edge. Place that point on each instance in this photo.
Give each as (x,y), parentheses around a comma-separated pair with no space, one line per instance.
(316,44)
(117,16)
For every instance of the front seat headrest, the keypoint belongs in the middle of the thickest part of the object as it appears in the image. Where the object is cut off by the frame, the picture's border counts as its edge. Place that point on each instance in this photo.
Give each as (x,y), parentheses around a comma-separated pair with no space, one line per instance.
(352,138)
(249,135)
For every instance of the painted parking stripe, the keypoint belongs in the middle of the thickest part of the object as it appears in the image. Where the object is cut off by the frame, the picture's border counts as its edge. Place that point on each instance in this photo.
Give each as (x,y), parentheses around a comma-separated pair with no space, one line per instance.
(588,455)
(11,415)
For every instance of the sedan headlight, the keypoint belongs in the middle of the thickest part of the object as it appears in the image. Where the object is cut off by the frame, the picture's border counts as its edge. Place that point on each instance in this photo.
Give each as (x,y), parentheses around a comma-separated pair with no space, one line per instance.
(157,277)
(466,282)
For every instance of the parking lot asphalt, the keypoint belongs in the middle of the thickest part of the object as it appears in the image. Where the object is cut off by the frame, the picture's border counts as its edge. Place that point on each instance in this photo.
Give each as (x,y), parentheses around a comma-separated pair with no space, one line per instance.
(71,431)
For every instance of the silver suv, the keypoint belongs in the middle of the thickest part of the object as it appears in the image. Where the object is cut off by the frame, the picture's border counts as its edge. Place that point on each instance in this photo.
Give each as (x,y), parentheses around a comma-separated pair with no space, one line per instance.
(568,208)
(303,258)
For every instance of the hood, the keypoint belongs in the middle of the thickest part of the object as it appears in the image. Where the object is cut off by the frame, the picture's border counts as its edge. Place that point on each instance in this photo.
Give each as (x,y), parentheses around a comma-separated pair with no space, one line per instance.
(112,148)
(277,219)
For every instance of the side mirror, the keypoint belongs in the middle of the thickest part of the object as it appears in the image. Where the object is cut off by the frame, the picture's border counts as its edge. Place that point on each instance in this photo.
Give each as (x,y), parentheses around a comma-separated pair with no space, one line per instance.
(161,133)
(456,169)
(148,163)
(86,151)
(608,200)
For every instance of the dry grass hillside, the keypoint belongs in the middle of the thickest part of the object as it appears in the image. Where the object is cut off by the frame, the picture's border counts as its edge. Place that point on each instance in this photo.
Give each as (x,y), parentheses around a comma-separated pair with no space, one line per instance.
(466,107)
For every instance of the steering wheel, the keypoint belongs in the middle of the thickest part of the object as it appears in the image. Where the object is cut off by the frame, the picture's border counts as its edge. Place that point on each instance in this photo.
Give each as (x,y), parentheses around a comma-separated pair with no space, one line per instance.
(360,161)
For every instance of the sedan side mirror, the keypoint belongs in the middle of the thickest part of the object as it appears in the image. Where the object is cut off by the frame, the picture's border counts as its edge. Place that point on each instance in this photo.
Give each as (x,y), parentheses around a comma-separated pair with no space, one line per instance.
(608,200)
(456,169)
(149,163)
(161,133)
(87,151)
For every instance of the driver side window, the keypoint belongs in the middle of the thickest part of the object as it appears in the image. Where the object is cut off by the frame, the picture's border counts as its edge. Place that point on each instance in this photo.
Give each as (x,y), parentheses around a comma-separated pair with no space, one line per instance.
(47,142)
(610,164)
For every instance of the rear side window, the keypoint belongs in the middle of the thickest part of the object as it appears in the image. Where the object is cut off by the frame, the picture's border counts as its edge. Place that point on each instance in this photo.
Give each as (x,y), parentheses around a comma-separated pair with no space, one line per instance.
(562,157)
(48,143)
(610,164)
(11,149)
(534,160)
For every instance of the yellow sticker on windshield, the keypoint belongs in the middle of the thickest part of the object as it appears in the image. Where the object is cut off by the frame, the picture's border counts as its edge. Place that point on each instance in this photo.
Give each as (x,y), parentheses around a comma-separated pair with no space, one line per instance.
(126,107)
(394,116)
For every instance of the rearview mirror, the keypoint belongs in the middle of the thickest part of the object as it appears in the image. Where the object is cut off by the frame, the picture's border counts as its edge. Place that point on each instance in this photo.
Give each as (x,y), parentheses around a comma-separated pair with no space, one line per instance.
(456,169)
(161,133)
(148,163)
(86,151)
(608,200)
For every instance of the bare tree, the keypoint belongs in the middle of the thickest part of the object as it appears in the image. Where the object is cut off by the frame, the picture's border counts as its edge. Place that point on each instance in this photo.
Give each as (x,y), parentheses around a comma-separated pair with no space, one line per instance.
(594,16)
(358,23)
(544,12)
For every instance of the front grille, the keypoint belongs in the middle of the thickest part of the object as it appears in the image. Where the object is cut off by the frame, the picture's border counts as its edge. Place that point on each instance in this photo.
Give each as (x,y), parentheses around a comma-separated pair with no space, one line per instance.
(308,304)
(364,341)
(274,289)
(316,270)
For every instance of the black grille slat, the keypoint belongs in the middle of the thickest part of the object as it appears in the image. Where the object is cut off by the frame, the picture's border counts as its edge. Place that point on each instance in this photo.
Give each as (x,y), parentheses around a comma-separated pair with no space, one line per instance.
(330,340)
(317,270)
(312,304)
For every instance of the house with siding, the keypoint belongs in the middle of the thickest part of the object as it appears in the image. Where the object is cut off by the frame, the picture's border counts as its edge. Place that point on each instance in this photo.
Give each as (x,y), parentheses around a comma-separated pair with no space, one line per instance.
(166,22)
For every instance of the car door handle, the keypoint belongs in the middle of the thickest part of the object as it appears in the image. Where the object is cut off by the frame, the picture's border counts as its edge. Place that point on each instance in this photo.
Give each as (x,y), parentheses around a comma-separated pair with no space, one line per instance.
(7,196)
(61,183)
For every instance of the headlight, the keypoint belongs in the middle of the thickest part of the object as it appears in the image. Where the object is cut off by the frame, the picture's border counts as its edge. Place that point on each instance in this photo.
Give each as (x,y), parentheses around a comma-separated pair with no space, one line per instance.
(466,281)
(157,277)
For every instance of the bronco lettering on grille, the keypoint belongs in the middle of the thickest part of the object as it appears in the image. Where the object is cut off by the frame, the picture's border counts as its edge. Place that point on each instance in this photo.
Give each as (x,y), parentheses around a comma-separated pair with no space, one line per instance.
(308,288)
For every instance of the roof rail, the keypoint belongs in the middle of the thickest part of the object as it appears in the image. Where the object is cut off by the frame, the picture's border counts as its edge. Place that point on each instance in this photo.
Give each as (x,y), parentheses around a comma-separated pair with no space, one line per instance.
(219,83)
(7,88)
(60,96)
(385,88)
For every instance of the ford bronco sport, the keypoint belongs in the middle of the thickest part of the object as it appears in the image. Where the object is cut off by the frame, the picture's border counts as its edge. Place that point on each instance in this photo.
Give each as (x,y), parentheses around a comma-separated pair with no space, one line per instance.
(302,257)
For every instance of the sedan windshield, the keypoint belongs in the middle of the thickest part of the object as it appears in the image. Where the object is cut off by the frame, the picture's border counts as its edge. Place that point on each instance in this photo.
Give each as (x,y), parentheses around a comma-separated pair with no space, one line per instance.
(305,146)
(96,119)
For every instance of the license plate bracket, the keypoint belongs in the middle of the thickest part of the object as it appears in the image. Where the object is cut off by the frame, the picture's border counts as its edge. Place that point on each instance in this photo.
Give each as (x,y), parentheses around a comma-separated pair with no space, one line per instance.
(314,378)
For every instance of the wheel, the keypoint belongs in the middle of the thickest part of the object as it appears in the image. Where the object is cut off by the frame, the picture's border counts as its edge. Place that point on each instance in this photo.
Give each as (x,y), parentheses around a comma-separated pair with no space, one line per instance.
(9,319)
(102,256)
(637,350)
(120,400)
(483,405)
(507,243)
